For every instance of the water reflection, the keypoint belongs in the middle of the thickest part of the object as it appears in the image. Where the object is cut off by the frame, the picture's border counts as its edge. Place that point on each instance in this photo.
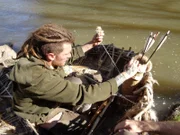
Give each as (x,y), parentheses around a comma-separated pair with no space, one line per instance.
(126,24)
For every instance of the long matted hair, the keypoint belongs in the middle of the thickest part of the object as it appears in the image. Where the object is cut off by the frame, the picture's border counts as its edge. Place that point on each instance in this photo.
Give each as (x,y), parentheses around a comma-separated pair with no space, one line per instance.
(47,39)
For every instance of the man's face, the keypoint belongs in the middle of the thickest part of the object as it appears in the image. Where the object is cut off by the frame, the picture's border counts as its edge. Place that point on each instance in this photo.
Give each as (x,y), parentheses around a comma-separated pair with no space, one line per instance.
(63,57)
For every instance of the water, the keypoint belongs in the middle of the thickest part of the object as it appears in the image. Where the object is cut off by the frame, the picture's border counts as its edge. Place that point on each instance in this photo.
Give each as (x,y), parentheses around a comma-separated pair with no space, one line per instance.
(126,24)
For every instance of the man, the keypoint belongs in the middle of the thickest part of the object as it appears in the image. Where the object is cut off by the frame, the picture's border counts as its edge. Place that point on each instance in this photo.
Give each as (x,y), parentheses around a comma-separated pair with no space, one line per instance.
(134,127)
(40,88)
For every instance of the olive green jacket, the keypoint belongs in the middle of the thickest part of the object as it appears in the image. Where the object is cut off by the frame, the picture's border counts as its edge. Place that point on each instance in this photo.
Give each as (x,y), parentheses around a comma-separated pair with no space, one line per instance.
(37,88)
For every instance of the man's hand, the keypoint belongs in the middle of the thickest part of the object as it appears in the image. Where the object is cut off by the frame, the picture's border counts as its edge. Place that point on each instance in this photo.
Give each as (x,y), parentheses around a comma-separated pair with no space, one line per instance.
(130,125)
(131,68)
(96,40)
(98,37)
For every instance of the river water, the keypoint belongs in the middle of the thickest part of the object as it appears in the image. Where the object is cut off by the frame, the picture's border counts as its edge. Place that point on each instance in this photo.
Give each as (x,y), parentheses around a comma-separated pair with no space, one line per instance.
(126,24)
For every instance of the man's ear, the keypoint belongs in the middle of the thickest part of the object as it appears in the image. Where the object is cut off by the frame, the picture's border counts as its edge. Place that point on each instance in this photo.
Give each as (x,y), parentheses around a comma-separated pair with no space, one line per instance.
(50,56)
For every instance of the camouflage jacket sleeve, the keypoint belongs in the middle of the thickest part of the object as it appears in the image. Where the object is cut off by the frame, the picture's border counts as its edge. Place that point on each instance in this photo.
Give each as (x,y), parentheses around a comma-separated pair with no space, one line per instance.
(77,52)
(53,87)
